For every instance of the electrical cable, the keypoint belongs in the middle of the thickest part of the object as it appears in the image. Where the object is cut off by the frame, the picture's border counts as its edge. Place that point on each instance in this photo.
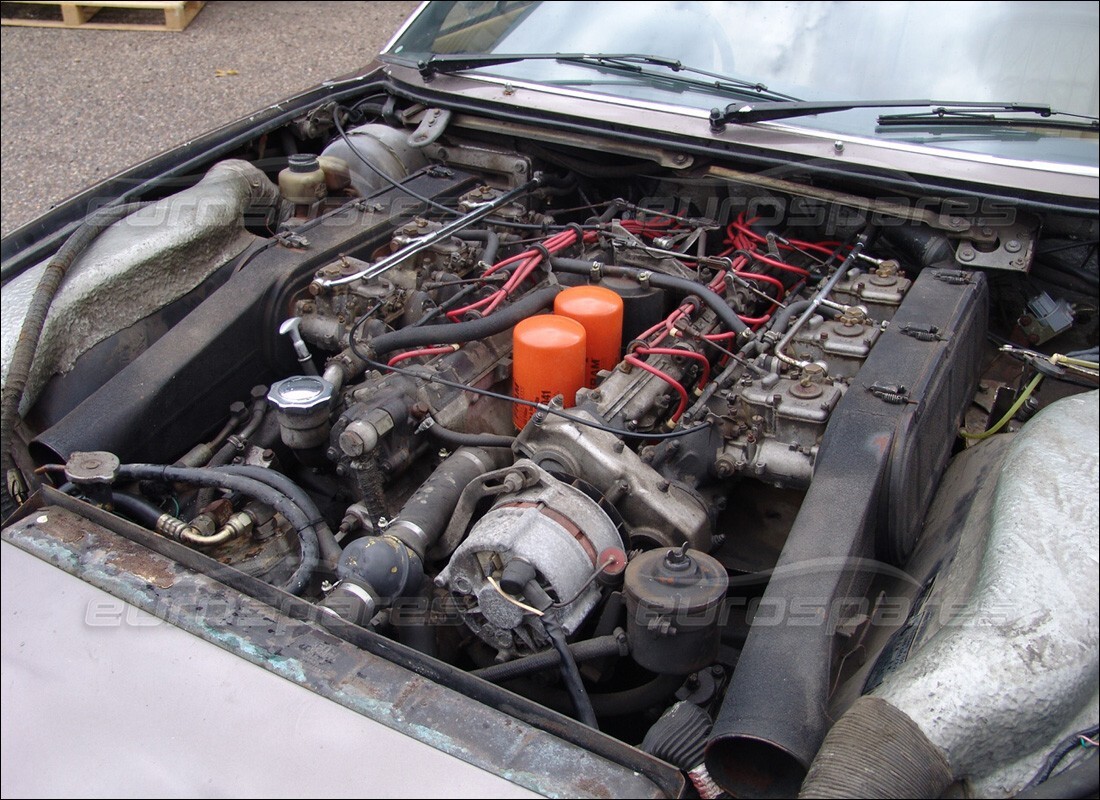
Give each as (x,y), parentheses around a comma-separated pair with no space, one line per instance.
(704,378)
(1064,748)
(675,384)
(570,673)
(424,351)
(395,184)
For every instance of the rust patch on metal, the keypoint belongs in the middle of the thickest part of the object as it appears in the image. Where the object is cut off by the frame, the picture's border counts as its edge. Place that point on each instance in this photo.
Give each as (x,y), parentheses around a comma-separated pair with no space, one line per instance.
(59,523)
(143,564)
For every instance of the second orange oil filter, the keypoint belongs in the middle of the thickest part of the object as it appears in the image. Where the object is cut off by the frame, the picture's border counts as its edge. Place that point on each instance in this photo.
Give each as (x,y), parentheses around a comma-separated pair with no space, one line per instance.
(600,311)
(548,359)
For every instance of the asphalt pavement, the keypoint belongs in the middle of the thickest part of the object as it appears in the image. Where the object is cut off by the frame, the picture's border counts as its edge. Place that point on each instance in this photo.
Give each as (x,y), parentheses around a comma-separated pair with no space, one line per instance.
(80,105)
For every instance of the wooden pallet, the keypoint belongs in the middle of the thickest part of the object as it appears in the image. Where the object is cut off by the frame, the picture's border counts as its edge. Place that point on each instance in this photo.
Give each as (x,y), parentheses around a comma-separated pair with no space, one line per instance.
(176,16)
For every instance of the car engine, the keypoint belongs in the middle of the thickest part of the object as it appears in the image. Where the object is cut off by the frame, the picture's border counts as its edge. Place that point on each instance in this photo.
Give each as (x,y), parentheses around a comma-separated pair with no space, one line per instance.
(563,417)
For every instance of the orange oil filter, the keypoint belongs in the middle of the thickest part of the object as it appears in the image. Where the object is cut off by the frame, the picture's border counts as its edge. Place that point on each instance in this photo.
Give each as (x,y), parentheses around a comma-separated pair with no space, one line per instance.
(600,311)
(548,359)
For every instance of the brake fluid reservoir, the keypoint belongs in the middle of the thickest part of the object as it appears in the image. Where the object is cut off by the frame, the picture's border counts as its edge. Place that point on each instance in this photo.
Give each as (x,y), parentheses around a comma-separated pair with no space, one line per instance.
(303,181)
(600,311)
(674,607)
(548,355)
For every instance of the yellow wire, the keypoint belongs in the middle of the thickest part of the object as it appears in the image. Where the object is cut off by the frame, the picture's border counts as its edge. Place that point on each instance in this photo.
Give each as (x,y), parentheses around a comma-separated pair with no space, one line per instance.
(1009,414)
(510,599)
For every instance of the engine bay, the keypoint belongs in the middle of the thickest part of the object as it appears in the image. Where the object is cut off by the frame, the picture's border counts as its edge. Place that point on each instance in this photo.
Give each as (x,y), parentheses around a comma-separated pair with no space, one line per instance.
(569,419)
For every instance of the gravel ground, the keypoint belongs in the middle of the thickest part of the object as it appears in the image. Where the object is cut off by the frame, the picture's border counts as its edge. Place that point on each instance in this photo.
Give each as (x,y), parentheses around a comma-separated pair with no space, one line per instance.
(78,106)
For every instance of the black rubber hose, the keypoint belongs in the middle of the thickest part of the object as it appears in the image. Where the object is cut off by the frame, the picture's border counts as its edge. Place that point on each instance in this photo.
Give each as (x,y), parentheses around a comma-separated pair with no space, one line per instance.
(714,301)
(783,316)
(259,411)
(588,650)
(491,240)
(26,346)
(228,450)
(234,420)
(307,535)
(1077,780)
(631,701)
(454,333)
(422,520)
(609,704)
(223,456)
(418,634)
(329,547)
(611,211)
(137,508)
(570,674)
(453,438)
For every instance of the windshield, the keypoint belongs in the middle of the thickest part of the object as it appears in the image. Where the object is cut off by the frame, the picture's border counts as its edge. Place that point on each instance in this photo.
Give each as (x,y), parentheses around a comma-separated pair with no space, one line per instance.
(955,51)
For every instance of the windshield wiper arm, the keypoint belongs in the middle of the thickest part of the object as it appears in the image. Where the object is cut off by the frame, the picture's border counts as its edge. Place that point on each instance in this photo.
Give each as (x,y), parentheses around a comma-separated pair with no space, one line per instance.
(955,116)
(776,111)
(459,62)
(442,64)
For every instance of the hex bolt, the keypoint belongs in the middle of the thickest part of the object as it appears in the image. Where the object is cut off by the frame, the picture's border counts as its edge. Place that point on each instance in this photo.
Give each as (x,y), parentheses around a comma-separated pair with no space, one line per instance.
(1013,245)
(725,466)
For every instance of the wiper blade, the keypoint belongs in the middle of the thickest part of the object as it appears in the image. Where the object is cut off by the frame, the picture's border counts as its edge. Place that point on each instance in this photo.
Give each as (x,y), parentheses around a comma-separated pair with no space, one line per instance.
(957,117)
(776,111)
(631,62)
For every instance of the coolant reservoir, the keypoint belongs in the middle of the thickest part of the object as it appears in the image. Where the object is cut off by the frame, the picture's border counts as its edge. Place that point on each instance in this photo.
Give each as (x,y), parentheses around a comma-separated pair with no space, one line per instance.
(549,357)
(303,182)
(600,311)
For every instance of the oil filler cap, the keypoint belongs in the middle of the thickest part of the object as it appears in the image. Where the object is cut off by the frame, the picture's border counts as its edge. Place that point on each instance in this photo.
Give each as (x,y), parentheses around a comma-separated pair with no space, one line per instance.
(301,394)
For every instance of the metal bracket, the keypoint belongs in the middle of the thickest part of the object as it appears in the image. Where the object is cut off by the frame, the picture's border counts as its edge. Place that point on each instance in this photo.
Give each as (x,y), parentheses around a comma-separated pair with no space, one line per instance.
(1008,247)
(432,125)
(292,241)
